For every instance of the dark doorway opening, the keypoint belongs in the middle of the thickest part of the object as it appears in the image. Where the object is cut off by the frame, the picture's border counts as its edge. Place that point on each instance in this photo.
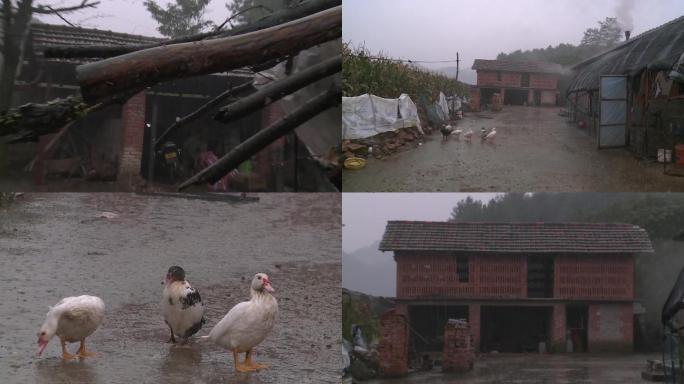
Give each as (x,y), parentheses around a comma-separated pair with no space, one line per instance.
(577,320)
(486,95)
(427,325)
(515,96)
(514,329)
(539,277)
(537,98)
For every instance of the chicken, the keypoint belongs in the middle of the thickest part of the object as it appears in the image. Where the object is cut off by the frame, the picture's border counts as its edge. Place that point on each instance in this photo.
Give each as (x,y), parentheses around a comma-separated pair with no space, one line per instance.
(181,306)
(72,319)
(248,323)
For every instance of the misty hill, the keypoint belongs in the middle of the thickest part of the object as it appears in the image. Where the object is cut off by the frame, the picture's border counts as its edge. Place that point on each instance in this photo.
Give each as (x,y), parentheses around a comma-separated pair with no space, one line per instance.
(369,271)
(466,75)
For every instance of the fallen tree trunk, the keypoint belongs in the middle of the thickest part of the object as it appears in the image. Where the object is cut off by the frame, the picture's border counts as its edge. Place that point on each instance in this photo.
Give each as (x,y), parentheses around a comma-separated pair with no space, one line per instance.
(275,91)
(265,137)
(199,111)
(150,66)
(106,51)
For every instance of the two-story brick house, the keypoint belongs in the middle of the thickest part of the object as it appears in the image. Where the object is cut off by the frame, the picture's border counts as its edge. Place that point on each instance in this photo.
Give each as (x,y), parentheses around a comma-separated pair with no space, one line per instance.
(518,82)
(521,286)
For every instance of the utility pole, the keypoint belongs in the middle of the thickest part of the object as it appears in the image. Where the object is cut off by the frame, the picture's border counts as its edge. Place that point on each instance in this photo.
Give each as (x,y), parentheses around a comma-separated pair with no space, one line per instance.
(457,61)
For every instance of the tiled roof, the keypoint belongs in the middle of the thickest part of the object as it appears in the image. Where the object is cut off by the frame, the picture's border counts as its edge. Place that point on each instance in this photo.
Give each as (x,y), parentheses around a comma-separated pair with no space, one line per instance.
(515,237)
(48,35)
(517,66)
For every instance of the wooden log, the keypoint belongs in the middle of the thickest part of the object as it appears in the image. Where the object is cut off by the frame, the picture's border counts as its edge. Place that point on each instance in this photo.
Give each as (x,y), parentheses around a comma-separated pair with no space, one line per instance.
(283,16)
(150,66)
(275,91)
(199,111)
(265,137)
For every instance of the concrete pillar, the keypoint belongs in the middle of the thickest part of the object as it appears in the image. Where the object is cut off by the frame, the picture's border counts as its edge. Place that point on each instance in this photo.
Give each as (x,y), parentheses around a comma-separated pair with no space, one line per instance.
(132,136)
(530,97)
(393,346)
(474,322)
(558,328)
(503,97)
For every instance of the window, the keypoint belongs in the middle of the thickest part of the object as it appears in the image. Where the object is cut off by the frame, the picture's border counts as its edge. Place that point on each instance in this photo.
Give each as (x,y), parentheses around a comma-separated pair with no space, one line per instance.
(498,76)
(462,269)
(525,80)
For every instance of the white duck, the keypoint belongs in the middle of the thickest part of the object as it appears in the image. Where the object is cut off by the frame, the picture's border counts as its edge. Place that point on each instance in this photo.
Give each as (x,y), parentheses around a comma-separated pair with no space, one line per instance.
(468,135)
(248,323)
(181,305)
(72,319)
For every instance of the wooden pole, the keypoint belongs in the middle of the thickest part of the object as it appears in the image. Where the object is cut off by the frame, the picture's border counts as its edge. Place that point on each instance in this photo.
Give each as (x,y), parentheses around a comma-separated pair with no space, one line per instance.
(265,137)
(148,67)
(105,51)
(457,62)
(275,91)
(199,111)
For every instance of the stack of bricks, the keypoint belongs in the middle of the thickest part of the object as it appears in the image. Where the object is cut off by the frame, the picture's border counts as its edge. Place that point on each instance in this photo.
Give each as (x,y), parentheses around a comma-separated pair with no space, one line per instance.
(393,347)
(458,355)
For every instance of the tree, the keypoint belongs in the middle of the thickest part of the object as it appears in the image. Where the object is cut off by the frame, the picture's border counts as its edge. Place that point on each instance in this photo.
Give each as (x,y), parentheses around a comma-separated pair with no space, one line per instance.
(184,18)
(246,11)
(16,17)
(605,36)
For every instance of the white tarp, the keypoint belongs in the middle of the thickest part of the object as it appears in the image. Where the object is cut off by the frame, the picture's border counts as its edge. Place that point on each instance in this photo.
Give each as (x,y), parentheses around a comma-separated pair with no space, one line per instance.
(367,115)
(443,107)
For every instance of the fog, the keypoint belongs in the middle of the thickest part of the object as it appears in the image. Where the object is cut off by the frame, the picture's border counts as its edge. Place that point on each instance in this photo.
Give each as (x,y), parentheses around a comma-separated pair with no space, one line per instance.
(435,30)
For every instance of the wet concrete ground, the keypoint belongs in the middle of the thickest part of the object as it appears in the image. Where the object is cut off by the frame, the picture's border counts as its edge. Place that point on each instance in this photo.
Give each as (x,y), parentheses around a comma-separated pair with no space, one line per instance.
(540,369)
(534,150)
(54,245)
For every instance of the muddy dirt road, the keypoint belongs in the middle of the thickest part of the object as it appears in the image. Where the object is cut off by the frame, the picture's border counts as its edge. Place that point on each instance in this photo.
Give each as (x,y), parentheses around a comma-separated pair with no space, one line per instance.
(544,369)
(54,245)
(534,150)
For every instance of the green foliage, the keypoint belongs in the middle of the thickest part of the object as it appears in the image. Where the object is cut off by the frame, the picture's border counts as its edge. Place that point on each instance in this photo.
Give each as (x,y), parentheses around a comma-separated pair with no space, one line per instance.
(662,215)
(607,35)
(6,198)
(386,78)
(252,10)
(595,40)
(185,17)
(357,310)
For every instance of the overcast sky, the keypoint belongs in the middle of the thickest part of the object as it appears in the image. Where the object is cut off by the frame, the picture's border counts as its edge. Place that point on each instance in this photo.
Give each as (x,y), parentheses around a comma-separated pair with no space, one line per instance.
(437,29)
(364,215)
(127,16)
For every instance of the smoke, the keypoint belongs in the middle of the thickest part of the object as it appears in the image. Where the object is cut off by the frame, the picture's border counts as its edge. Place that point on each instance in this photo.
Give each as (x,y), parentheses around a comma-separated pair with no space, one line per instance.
(623,11)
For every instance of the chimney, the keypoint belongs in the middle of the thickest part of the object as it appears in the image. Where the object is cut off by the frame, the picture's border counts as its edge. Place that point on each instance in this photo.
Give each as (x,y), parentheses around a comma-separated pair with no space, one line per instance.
(627,33)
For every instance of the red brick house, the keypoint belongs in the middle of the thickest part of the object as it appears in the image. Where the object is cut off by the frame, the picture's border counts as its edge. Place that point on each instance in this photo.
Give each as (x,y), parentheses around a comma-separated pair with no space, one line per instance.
(518,284)
(518,82)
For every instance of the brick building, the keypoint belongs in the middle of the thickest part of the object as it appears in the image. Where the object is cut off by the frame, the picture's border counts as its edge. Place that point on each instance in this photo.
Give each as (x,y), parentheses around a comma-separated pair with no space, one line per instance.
(518,82)
(518,284)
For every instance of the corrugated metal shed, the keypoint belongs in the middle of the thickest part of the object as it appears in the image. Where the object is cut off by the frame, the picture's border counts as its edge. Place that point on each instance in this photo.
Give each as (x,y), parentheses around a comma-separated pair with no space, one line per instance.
(656,49)
(585,238)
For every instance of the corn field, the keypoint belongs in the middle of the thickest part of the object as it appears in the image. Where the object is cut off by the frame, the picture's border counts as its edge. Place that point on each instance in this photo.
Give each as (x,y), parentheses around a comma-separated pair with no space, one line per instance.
(386,78)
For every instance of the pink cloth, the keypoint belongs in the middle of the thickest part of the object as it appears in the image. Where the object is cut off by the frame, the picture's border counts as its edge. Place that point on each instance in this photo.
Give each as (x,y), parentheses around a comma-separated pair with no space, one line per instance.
(208,158)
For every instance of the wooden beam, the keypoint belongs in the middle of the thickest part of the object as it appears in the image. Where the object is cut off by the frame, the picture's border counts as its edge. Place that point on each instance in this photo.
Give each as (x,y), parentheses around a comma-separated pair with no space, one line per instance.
(148,67)
(266,136)
(276,90)
(105,51)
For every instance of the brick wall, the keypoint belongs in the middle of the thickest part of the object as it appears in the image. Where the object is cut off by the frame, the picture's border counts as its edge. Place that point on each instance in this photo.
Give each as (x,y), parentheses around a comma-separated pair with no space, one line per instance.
(458,354)
(393,345)
(611,327)
(474,322)
(558,328)
(434,275)
(514,80)
(543,81)
(491,78)
(600,277)
(132,135)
